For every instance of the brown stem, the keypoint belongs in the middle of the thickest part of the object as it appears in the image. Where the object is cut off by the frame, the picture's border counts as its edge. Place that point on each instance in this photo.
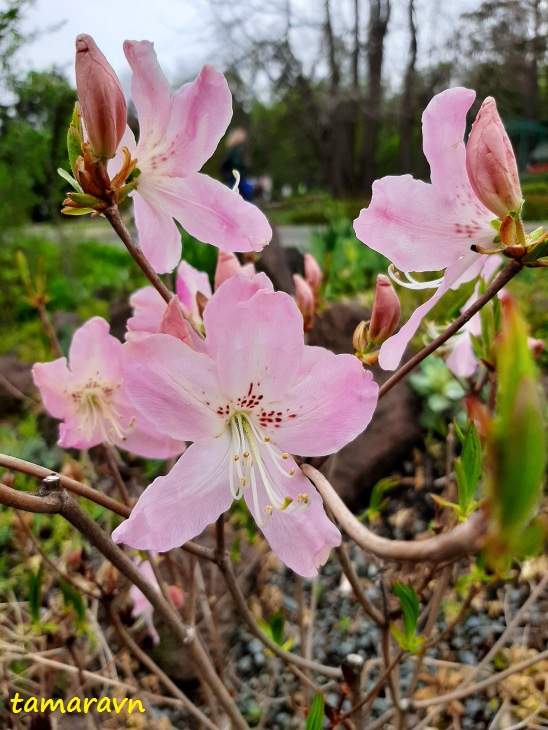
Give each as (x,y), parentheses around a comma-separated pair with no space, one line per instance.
(152,667)
(115,219)
(513,268)
(71,485)
(239,599)
(112,463)
(463,540)
(50,332)
(370,609)
(185,634)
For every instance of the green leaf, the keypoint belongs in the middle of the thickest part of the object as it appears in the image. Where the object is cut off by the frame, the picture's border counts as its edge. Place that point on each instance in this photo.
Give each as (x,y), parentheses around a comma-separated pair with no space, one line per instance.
(277,627)
(35,593)
(68,178)
(377,500)
(468,466)
(314,720)
(536,251)
(409,604)
(516,444)
(75,137)
(71,597)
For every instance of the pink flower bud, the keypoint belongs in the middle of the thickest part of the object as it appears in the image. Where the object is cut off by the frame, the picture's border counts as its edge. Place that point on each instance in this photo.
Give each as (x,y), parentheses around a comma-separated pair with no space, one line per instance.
(535,346)
(175,595)
(227,266)
(386,311)
(101,98)
(312,272)
(491,163)
(305,300)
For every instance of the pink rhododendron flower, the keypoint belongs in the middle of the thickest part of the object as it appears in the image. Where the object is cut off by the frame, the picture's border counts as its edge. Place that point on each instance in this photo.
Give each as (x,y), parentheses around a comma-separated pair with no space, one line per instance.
(428,227)
(89,395)
(177,135)
(304,296)
(312,273)
(149,307)
(386,313)
(256,394)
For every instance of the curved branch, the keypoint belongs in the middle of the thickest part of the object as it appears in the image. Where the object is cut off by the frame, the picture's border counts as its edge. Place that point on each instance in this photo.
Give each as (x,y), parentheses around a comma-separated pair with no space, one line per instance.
(464,539)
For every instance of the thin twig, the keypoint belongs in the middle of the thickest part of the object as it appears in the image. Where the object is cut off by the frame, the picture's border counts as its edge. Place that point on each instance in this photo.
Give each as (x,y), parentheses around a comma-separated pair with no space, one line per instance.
(146,661)
(508,273)
(464,539)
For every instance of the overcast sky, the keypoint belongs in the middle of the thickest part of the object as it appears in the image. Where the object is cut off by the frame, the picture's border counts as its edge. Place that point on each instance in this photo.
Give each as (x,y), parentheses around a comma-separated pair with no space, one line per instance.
(180,29)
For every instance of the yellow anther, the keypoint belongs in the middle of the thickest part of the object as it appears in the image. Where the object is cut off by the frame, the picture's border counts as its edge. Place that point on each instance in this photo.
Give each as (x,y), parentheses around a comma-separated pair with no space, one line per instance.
(246,454)
(268,510)
(285,456)
(291,472)
(243,481)
(235,457)
(266,439)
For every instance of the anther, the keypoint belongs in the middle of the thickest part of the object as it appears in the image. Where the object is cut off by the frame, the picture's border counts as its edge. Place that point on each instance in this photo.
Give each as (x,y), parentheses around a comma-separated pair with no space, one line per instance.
(246,454)
(266,439)
(243,481)
(291,472)
(285,456)
(235,457)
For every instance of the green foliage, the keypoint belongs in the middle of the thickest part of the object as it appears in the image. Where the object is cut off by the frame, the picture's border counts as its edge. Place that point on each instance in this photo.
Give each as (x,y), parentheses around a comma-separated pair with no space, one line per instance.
(442,394)
(350,267)
(467,471)
(73,599)
(409,604)
(378,500)
(24,441)
(516,449)
(34,584)
(275,630)
(314,719)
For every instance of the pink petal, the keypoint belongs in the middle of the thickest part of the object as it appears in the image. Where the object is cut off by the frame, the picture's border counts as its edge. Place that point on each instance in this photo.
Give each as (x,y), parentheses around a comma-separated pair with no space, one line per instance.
(462,361)
(51,379)
(392,351)
(302,540)
(227,266)
(422,227)
(128,140)
(177,507)
(145,440)
(141,605)
(418,227)
(200,114)
(95,351)
(328,408)
(159,237)
(210,212)
(173,323)
(149,92)
(189,282)
(256,342)
(173,386)
(148,311)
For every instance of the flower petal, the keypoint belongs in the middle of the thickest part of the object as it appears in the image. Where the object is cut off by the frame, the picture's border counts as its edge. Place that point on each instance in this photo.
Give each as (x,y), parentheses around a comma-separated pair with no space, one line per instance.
(209,211)
(148,310)
(173,386)
(462,361)
(159,237)
(256,341)
(177,507)
(200,114)
(94,351)
(189,282)
(328,408)
(392,350)
(302,539)
(51,379)
(149,92)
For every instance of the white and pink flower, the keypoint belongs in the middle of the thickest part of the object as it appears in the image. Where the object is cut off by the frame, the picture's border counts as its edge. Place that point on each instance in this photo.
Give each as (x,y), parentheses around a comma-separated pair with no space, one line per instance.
(253,397)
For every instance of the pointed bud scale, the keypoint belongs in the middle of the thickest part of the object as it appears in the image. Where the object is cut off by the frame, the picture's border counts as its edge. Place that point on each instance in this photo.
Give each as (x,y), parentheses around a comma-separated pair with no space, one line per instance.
(101,98)
(491,163)
(386,312)
(359,338)
(173,322)
(312,272)
(304,297)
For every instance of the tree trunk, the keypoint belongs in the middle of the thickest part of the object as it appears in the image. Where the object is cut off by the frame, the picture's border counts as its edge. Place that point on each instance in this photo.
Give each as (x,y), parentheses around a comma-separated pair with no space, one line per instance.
(408,105)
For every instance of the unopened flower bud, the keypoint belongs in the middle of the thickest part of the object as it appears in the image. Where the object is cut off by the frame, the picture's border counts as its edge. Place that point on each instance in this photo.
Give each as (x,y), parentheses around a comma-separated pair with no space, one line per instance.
(227,266)
(175,595)
(386,311)
(312,272)
(305,300)
(101,98)
(491,163)
(535,346)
